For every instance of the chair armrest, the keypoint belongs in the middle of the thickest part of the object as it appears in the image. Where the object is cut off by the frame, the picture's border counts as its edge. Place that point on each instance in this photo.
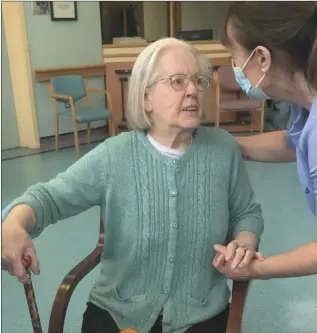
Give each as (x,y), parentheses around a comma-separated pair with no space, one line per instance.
(69,98)
(102,91)
(97,90)
(239,295)
(54,95)
(66,288)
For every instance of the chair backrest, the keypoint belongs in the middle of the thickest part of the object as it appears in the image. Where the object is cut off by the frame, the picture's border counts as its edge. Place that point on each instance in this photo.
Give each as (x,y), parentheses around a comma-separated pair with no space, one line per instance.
(227,80)
(71,85)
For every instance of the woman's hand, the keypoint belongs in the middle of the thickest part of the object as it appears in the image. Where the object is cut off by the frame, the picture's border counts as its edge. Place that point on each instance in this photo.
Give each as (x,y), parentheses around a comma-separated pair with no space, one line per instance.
(16,242)
(244,273)
(238,254)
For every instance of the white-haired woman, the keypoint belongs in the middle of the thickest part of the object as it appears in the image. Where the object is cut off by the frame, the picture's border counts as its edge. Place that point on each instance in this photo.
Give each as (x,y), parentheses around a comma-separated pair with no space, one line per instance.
(169,190)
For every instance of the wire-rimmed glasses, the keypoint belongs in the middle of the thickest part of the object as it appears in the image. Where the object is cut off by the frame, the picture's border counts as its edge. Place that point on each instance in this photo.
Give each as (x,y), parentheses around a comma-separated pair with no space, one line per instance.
(180,81)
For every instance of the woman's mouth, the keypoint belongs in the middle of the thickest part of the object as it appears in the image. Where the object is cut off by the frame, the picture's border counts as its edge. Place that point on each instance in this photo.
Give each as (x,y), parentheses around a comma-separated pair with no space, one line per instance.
(191,108)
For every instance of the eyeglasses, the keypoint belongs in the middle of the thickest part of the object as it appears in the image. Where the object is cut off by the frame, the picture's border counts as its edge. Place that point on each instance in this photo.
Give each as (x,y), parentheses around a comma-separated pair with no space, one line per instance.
(180,81)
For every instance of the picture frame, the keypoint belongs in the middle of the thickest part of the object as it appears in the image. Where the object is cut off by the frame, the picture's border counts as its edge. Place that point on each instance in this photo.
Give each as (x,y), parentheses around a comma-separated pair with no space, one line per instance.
(41,7)
(63,10)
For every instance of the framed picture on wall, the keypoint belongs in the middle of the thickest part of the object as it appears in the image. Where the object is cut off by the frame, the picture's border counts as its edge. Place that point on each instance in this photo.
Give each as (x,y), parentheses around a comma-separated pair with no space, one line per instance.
(41,7)
(63,10)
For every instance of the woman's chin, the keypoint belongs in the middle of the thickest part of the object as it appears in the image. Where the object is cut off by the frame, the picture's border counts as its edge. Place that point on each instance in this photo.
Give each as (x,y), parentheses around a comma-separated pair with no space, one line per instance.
(191,123)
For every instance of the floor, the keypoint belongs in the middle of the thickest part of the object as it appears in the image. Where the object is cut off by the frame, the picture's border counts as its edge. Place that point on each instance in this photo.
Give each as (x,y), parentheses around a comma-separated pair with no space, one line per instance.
(48,143)
(275,306)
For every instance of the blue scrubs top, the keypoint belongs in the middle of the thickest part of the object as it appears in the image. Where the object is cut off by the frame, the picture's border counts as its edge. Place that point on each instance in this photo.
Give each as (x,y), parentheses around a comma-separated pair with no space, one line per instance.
(302,138)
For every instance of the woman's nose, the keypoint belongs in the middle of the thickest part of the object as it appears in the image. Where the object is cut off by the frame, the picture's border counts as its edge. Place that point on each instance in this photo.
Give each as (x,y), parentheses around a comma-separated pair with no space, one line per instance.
(191,89)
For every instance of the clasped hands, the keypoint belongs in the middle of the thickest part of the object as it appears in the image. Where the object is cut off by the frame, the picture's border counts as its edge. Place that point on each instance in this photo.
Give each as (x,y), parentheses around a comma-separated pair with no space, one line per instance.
(236,261)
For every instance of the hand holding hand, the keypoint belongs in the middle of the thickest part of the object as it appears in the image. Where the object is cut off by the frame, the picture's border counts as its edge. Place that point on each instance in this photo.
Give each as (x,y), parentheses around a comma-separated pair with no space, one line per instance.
(238,254)
(235,265)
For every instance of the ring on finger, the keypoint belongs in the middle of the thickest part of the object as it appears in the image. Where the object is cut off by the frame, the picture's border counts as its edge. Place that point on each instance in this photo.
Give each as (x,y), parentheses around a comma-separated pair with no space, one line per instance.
(245,248)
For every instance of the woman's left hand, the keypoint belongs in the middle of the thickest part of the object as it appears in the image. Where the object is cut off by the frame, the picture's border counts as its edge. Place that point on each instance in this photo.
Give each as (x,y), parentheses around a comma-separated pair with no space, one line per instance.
(239,254)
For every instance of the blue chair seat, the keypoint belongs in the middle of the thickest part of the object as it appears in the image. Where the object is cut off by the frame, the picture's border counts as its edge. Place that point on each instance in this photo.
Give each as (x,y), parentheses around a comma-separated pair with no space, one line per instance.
(86,114)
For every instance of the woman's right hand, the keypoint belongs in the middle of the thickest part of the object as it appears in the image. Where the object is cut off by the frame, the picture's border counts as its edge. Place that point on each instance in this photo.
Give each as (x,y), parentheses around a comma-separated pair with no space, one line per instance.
(16,243)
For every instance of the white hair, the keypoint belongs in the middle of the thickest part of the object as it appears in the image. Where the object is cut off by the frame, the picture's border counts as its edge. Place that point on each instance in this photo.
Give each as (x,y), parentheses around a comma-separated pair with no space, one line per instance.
(143,75)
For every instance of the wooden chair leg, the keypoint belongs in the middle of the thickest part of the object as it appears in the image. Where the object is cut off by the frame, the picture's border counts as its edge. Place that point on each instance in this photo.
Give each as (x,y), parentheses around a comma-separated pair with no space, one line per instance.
(88,133)
(217,122)
(111,127)
(76,138)
(252,114)
(239,296)
(262,121)
(56,131)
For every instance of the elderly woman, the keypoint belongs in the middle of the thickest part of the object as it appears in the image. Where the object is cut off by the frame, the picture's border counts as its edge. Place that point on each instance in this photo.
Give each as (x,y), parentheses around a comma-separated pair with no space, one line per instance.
(169,190)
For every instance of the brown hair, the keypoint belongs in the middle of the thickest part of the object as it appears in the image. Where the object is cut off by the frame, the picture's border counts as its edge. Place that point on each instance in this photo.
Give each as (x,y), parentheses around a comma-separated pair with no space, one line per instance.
(288,29)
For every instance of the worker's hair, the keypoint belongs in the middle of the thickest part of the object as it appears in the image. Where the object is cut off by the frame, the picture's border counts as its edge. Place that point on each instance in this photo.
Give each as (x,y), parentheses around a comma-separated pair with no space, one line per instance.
(288,29)
(144,74)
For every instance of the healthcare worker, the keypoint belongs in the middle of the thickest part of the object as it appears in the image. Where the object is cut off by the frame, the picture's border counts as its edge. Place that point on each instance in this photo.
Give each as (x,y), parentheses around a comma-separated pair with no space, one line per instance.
(273,46)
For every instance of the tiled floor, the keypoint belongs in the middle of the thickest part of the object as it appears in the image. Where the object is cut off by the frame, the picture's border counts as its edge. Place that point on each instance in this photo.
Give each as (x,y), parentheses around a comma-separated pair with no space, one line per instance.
(276,306)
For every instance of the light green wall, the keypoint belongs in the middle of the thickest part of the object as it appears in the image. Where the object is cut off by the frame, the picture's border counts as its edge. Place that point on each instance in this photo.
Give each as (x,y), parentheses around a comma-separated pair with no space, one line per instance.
(61,44)
(9,128)
(200,15)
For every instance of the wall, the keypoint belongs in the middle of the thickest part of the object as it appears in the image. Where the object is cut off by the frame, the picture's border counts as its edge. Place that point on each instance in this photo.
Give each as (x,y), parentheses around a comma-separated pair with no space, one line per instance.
(202,15)
(195,15)
(61,44)
(155,20)
(9,128)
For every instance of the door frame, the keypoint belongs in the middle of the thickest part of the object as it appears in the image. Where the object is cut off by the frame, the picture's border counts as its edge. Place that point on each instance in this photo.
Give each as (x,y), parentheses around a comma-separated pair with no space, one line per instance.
(13,16)
(174,18)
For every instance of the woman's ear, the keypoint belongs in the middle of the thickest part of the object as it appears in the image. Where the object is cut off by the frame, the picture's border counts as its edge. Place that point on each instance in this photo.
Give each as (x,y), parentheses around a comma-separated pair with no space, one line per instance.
(147,103)
(264,58)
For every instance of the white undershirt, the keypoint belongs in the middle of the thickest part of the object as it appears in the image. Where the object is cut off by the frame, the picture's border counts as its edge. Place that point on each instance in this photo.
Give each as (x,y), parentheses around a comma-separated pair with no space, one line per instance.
(167,151)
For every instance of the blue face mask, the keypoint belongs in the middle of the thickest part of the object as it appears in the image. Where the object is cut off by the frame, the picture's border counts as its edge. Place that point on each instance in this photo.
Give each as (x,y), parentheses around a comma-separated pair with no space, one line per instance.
(245,84)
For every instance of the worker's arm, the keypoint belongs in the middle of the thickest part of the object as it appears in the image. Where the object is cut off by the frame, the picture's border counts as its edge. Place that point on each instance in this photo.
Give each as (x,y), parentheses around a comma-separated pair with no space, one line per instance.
(300,262)
(267,147)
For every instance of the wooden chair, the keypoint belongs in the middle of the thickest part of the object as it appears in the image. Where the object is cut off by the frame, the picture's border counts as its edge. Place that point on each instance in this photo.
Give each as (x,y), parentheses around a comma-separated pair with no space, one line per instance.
(66,288)
(65,91)
(230,97)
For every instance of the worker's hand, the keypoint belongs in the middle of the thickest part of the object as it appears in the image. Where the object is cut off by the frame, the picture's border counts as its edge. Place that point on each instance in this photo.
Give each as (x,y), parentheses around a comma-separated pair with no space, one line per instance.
(16,243)
(238,254)
(251,271)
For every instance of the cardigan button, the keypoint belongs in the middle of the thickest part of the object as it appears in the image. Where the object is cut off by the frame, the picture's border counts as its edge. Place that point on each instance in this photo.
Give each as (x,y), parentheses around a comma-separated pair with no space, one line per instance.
(174,194)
